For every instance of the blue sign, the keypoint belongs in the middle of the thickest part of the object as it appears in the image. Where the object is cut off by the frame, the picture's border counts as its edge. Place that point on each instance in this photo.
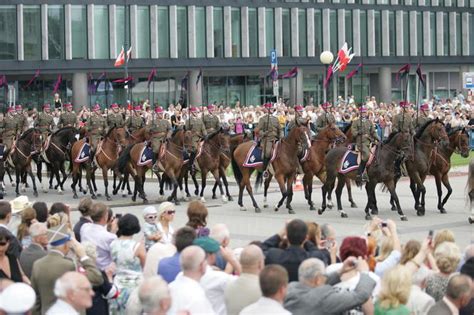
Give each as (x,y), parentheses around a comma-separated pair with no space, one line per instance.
(273,56)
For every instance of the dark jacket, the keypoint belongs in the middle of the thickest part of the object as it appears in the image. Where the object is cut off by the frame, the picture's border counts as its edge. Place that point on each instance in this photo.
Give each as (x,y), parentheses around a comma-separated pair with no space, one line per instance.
(15,246)
(440,308)
(28,257)
(77,227)
(102,294)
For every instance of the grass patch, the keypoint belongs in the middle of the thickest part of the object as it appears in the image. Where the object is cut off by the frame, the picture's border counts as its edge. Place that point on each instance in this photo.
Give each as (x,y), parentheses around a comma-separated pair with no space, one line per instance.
(457,160)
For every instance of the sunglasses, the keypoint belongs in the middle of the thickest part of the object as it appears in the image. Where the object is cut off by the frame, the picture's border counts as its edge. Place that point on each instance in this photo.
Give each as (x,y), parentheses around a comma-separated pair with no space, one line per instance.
(152,217)
(3,243)
(170,212)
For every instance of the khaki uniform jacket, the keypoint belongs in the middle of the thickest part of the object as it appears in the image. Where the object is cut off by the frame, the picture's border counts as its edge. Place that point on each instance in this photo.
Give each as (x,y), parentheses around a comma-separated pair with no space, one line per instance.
(134,123)
(160,129)
(403,122)
(9,128)
(44,122)
(422,119)
(48,269)
(364,133)
(198,131)
(269,131)
(211,123)
(115,120)
(68,119)
(323,120)
(96,125)
(298,121)
(21,120)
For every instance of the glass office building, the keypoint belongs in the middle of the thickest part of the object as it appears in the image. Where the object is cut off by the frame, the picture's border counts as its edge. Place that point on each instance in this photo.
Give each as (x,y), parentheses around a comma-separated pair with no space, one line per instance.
(229,43)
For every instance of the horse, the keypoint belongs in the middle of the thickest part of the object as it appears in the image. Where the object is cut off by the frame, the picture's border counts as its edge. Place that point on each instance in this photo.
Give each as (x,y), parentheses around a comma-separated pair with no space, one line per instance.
(284,165)
(382,170)
(314,164)
(470,189)
(108,153)
(20,156)
(76,169)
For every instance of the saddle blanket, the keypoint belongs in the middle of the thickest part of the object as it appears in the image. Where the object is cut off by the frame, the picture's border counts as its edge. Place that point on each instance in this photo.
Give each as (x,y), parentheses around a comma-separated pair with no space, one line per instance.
(2,151)
(350,161)
(84,153)
(146,156)
(254,157)
(46,143)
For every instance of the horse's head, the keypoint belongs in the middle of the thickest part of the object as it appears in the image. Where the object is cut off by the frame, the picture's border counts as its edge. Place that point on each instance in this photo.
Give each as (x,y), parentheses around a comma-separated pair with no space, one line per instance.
(300,136)
(188,140)
(435,130)
(223,140)
(36,140)
(332,133)
(460,140)
(400,142)
(120,136)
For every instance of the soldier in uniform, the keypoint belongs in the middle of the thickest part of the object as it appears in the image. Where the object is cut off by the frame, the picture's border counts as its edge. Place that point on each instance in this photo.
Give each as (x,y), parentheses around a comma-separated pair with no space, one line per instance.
(269,132)
(364,133)
(325,118)
(402,122)
(20,116)
(211,121)
(68,118)
(45,122)
(423,117)
(299,119)
(160,130)
(198,132)
(96,125)
(9,128)
(135,121)
(115,118)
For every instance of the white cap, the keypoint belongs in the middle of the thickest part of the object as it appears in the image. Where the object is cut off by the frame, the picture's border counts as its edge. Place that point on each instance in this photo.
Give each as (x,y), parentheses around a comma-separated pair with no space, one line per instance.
(17,298)
(149,210)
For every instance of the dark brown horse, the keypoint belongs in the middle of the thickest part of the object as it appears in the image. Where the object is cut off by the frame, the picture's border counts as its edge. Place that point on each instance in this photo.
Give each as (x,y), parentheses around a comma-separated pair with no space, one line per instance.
(314,164)
(470,190)
(285,166)
(380,171)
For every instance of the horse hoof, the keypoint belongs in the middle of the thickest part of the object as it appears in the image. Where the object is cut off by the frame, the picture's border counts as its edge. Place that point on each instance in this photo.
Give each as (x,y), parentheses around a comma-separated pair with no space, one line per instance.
(243,209)
(129,193)
(470,220)
(276,208)
(75,196)
(196,192)
(109,198)
(99,195)
(312,208)
(230,198)
(134,198)
(368,217)
(18,194)
(420,213)
(177,203)
(94,197)
(330,206)
(51,187)
(403,218)
(224,199)
(258,210)
(214,197)
(320,211)
(291,211)
(145,201)
(203,200)
(124,195)
(84,192)
(35,193)
(114,193)
(353,205)
(374,211)
(343,214)
(393,208)
(443,211)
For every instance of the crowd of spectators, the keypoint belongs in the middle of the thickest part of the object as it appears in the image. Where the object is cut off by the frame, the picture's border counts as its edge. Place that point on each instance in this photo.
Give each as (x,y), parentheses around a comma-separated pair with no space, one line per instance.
(123,267)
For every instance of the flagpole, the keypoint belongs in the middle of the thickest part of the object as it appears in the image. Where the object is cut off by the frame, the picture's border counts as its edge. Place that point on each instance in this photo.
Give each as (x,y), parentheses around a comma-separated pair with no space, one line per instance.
(125,50)
(361,79)
(296,86)
(153,82)
(89,90)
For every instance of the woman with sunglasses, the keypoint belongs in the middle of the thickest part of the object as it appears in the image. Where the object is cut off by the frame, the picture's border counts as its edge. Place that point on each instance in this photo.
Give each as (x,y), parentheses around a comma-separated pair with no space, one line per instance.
(9,265)
(166,211)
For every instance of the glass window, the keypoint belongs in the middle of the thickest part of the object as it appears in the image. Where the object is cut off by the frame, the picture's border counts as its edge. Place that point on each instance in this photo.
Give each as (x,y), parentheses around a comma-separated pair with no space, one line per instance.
(286,27)
(253,90)
(392,33)
(182,19)
(143,31)
(446,33)
(32,32)
(253,33)
(101,32)
(218,32)
(163,32)
(406,34)
(471,34)
(200,32)
(235,90)
(8,32)
(363,32)
(458,34)
(378,33)
(333,31)
(79,31)
(56,31)
(235,19)
(419,35)
(382,1)
(122,19)
(318,32)
(348,26)
(302,31)
(433,33)
(269,30)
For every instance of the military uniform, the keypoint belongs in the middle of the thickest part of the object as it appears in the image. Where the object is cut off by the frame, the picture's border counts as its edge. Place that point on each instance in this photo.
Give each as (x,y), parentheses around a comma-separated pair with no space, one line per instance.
(211,123)
(96,125)
(198,131)
(160,129)
(403,122)
(423,118)
(67,119)
(21,121)
(269,131)
(44,123)
(364,133)
(323,120)
(9,129)
(298,121)
(134,123)
(115,120)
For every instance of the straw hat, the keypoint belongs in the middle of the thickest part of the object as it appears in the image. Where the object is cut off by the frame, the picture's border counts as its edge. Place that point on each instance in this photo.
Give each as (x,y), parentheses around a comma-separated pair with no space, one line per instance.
(20,203)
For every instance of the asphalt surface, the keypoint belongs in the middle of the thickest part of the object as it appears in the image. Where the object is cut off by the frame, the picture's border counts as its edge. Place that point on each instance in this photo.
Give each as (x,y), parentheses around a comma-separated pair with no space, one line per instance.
(246,226)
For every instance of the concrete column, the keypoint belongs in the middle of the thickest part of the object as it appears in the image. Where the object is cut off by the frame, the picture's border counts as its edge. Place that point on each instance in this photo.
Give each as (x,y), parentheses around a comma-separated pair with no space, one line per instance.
(79,90)
(426,34)
(44,32)
(453,49)
(173,32)
(466,35)
(399,32)
(413,34)
(192,31)
(112,31)
(434,3)
(90,31)
(295,47)
(371,32)
(408,2)
(68,32)
(439,33)
(296,88)
(227,32)
(385,34)
(421,2)
(19,27)
(394,2)
(154,31)
(356,31)
(447,3)
(134,30)
(195,91)
(460,3)
(326,30)
(244,26)
(385,84)
(310,31)
(210,31)
(341,27)
(262,51)
(278,31)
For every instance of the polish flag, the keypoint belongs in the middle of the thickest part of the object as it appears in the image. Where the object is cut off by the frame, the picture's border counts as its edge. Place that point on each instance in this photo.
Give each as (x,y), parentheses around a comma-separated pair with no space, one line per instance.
(129,53)
(120,59)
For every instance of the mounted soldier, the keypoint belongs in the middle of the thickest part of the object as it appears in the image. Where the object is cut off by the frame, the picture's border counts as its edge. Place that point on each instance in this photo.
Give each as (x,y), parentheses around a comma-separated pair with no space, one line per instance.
(365,134)
(160,130)
(269,132)
(403,122)
(115,117)
(135,121)
(325,118)
(299,119)
(211,121)
(96,125)
(45,122)
(9,129)
(198,133)
(20,117)
(68,118)
(423,116)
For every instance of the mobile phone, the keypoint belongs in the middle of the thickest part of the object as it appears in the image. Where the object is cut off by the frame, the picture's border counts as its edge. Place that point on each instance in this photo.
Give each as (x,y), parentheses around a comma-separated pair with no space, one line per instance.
(430,235)
(118,216)
(384,223)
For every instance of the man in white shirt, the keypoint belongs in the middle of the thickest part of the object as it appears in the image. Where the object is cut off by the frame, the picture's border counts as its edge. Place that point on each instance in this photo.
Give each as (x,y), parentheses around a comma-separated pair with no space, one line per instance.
(419,301)
(74,293)
(186,292)
(97,234)
(274,283)
(458,294)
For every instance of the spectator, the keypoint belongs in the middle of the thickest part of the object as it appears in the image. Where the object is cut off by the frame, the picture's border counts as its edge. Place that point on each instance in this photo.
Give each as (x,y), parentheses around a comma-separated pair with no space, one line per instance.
(245,290)
(273,282)
(41,211)
(153,296)
(84,208)
(395,291)
(9,264)
(169,267)
(419,302)
(97,234)
(186,292)
(61,208)
(443,236)
(411,248)
(150,227)
(329,248)
(197,218)
(468,269)
(28,216)
(154,255)
(458,294)
(17,298)
(221,234)
(390,250)
(18,205)
(74,293)
(5,216)
(36,250)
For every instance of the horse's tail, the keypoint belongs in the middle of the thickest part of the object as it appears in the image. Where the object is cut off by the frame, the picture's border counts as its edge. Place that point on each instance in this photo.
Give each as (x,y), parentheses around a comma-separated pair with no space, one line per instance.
(470,183)
(236,170)
(123,158)
(259,180)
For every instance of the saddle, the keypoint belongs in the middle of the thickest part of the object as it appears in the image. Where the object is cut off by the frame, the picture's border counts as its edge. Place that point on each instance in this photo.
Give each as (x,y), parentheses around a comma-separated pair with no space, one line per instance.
(84,153)
(351,159)
(254,156)
(146,156)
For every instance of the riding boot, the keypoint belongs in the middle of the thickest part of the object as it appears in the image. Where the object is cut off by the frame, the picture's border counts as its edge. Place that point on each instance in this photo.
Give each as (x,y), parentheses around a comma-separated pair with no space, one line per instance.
(266,161)
(361,175)
(192,158)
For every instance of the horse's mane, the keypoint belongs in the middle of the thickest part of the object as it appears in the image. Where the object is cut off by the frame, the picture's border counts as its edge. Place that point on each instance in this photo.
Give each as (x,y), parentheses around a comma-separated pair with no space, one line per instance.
(390,137)
(27,133)
(454,130)
(422,128)
(175,131)
(63,129)
(346,128)
(108,133)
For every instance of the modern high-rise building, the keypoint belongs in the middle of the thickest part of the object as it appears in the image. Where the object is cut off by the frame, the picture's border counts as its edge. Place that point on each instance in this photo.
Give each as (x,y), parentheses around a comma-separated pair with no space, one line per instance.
(229,43)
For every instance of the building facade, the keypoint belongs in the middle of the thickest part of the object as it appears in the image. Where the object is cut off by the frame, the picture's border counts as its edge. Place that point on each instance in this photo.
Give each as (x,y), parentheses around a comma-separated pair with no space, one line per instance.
(229,43)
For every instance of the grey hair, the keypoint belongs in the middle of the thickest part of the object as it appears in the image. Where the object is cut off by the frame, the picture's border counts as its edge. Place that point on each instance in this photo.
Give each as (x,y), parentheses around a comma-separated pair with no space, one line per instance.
(91,250)
(220,232)
(469,252)
(420,276)
(37,228)
(151,292)
(325,231)
(62,287)
(191,257)
(310,268)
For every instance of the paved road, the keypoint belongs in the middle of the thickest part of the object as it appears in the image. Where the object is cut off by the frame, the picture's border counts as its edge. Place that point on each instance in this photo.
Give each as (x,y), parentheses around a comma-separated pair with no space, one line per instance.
(248,226)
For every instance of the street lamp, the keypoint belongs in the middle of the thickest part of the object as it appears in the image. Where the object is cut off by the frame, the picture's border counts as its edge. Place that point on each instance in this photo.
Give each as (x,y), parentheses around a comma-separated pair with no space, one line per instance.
(326,58)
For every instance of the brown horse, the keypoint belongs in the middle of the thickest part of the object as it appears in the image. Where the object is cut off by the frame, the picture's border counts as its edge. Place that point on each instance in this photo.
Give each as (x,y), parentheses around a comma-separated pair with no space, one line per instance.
(380,171)
(284,165)
(108,153)
(77,168)
(470,189)
(314,164)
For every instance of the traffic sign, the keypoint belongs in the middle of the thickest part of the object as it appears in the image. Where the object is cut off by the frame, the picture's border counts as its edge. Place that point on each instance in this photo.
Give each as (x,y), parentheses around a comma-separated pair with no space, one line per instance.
(274,65)
(273,57)
(468,80)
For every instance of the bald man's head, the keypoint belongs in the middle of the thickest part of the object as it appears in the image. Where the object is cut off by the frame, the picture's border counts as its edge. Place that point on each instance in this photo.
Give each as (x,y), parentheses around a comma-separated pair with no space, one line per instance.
(252,259)
(192,259)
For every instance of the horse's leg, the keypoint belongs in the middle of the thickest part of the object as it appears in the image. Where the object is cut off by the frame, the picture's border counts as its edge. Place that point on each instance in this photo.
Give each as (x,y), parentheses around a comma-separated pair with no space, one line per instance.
(32,176)
(89,171)
(289,198)
(196,184)
(349,192)
(284,193)
(328,186)
(341,181)
(392,202)
(17,176)
(266,184)
(391,188)
(471,205)
(58,179)
(217,177)
(106,182)
(226,185)
(422,191)
(141,174)
(10,176)
(246,180)
(370,190)
(74,180)
(63,173)
(308,187)
(446,184)
(203,183)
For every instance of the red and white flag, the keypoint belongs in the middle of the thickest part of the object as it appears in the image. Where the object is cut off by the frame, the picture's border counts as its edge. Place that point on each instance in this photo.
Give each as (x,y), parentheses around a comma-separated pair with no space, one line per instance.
(120,61)
(129,53)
